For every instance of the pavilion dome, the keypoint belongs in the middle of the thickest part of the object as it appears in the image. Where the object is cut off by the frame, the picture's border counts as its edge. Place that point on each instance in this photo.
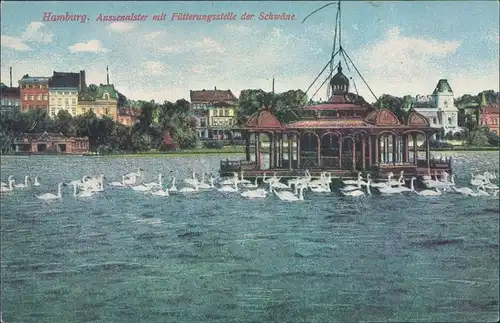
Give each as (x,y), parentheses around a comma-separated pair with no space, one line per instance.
(383,117)
(339,82)
(264,119)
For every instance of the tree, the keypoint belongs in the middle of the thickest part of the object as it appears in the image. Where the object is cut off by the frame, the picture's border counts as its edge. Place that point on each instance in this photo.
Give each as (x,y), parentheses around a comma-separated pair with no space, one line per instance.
(478,138)
(63,123)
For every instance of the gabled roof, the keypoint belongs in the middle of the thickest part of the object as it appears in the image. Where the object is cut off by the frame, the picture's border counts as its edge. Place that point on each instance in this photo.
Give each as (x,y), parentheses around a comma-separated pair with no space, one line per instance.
(35,79)
(10,92)
(212,96)
(328,123)
(492,108)
(98,94)
(417,119)
(64,80)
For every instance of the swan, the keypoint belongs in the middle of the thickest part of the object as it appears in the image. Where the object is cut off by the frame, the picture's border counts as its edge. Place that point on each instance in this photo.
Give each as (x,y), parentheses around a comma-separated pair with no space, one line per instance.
(22,185)
(489,185)
(228,188)
(359,192)
(273,179)
(141,188)
(173,188)
(191,181)
(4,189)
(353,182)
(118,184)
(475,181)
(134,175)
(158,184)
(349,188)
(204,185)
(305,179)
(435,192)
(8,180)
(289,196)
(189,189)
(36,182)
(382,184)
(243,180)
(324,188)
(481,191)
(463,190)
(129,180)
(50,196)
(161,192)
(258,193)
(254,185)
(82,193)
(230,181)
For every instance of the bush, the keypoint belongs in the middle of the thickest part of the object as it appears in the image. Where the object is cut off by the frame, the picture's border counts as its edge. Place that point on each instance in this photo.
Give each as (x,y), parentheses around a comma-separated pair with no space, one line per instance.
(213,144)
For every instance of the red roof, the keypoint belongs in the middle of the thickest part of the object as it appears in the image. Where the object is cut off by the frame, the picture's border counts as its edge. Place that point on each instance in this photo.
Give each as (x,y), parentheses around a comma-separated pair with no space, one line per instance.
(328,123)
(383,117)
(132,112)
(264,119)
(417,119)
(212,96)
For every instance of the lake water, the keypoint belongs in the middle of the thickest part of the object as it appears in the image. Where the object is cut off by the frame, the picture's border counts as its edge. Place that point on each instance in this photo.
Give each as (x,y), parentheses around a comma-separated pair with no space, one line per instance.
(124,256)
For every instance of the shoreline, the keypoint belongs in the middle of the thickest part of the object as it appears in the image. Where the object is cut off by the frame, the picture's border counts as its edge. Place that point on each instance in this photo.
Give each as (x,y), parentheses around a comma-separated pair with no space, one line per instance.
(214,152)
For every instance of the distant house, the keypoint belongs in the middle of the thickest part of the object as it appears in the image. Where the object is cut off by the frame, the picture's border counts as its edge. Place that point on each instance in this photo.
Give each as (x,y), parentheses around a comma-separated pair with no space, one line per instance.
(34,93)
(101,99)
(489,117)
(215,113)
(64,89)
(11,98)
(51,143)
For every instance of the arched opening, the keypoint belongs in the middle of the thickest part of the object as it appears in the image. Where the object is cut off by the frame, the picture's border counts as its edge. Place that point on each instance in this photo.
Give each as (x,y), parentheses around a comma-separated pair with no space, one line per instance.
(330,150)
(390,148)
(309,142)
(362,153)
(265,140)
(289,151)
(417,147)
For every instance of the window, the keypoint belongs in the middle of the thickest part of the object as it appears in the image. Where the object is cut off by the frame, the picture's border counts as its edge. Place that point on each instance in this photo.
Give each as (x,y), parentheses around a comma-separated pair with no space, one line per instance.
(73,111)
(73,101)
(59,101)
(38,97)
(106,95)
(30,97)
(25,97)
(16,103)
(45,97)
(434,120)
(66,101)
(449,120)
(226,113)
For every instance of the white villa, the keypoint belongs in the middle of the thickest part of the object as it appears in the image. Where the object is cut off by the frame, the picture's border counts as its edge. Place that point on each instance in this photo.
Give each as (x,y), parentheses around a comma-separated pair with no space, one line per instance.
(439,108)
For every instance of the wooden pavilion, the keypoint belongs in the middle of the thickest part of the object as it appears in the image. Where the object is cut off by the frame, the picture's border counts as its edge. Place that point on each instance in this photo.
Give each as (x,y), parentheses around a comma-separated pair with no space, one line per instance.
(344,136)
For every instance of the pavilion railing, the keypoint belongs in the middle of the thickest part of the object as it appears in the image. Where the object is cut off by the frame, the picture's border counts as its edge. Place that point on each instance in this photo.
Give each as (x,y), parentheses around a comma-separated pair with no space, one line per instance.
(332,162)
(236,165)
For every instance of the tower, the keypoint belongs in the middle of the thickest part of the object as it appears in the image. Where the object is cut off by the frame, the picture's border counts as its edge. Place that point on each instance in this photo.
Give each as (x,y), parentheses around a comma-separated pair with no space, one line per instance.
(445,105)
(339,82)
(107,75)
(10,71)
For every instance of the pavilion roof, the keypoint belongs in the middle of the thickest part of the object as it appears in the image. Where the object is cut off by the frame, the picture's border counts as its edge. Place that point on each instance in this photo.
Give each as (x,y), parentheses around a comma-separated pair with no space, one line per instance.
(328,123)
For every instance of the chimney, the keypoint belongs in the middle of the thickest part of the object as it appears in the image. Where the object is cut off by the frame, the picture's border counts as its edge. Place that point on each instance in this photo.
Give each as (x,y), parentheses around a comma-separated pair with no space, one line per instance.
(10,76)
(273,83)
(107,75)
(215,88)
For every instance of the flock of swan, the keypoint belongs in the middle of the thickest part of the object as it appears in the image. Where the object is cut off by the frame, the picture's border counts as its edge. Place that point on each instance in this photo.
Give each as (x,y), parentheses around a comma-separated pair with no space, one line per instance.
(293,190)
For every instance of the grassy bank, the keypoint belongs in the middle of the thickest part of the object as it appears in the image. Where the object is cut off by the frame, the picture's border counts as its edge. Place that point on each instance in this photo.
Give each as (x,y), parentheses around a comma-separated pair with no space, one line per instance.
(230,150)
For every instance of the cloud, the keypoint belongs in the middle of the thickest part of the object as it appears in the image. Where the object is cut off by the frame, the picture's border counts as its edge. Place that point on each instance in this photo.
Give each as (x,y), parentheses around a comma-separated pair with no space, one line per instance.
(121,27)
(92,46)
(400,64)
(34,33)
(155,67)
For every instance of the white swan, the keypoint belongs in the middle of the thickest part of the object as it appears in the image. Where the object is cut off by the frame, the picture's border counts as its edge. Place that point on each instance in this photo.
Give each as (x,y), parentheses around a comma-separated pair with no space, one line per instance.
(242,179)
(134,175)
(227,188)
(82,193)
(359,192)
(191,181)
(129,180)
(4,189)
(8,180)
(158,184)
(353,182)
(189,189)
(250,185)
(36,183)
(173,188)
(289,196)
(50,196)
(230,181)
(435,192)
(463,190)
(118,184)
(161,192)
(204,185)
(141,188)
(482,192)
(22,185)
(258,193)
(324,188)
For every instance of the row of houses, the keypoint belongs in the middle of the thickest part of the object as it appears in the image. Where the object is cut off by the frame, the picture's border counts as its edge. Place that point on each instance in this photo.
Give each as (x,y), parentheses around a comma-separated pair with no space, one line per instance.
(65,91)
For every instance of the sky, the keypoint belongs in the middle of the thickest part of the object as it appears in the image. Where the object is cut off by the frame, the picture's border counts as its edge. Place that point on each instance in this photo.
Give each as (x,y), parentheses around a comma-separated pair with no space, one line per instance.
(399,47)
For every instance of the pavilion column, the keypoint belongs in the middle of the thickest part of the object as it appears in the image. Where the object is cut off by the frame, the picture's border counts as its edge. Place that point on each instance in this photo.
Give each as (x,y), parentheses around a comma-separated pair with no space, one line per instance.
(276,150)
(319,150)
(247,146)
(370,153)
(353,153)
(415,149)
(298,149)
(363,152)
(281,151)
(386,149)
(341,139)
(395,142)
(405,148)
(427,151)
(377,147)
(271,149)
(290,151)
(259,161)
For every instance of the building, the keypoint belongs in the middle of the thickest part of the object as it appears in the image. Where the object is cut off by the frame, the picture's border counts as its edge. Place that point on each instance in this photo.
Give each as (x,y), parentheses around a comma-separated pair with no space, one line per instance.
(128,116)
(10,98)
(64,89)
(101,99)
(489,115)
(215,113)
(444,98)
(51,143)
(344,136)
(34,93)
(426,106)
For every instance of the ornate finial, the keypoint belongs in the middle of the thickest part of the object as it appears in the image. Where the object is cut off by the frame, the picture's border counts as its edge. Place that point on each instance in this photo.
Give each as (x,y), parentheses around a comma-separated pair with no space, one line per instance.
(483,100)
(339,68)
